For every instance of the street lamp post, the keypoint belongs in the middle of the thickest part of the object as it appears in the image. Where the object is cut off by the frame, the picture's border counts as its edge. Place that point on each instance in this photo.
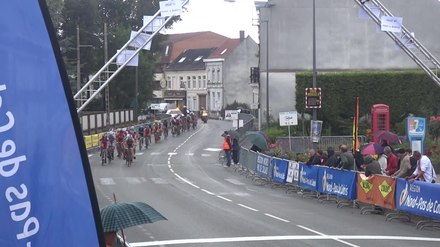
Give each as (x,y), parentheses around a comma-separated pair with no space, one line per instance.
(267,73)
(315,111)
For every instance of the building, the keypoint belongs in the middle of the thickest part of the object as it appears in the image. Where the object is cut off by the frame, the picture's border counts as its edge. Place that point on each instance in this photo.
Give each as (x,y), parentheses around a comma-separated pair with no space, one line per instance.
(344,41)
(174,46)
(210,71)
(187,75)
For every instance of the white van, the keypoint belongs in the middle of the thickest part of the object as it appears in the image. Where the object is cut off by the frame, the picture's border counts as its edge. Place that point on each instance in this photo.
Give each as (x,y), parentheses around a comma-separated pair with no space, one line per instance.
(162,107)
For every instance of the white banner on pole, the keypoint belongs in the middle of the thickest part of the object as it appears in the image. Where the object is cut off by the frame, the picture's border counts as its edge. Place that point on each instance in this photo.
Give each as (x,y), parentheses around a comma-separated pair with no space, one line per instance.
(170,8)
(234,123)
(407,41)
(391,24)
(288,118)
(125,55)
(154,24)
(140,40)
(293,172)
(364,15)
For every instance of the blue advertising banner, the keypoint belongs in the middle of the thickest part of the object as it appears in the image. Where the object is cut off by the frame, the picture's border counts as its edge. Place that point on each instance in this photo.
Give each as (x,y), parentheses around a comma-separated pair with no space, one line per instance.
(280,170)
(337,182)
(47,194)
(308,176)
(419,198)
(263,165)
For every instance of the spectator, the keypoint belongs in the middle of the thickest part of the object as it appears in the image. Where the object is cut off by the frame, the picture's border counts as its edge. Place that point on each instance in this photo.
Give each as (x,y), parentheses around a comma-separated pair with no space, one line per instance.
(391,161)
(405,164)
(412,161)
(314,158)
(235,150)
(347,159)
(333,158)
(227,147)
(359,160)
(371,166)
(425,170)
(382,162)
(323,156)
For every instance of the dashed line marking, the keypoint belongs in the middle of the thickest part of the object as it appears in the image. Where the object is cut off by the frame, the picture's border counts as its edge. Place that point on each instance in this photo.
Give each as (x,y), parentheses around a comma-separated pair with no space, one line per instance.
(247,207)
(206,191)
(224,198)
(275,217)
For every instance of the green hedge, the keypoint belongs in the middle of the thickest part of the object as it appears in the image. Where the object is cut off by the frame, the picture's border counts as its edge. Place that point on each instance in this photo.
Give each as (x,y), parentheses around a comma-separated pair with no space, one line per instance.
(406,92)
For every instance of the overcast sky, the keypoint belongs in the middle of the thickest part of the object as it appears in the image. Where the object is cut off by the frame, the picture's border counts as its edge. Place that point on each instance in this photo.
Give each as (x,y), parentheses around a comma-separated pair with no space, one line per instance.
(223,17)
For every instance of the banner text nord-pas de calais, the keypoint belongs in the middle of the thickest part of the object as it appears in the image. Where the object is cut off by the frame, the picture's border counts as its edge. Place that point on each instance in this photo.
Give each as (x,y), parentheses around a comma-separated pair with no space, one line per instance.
(17,194)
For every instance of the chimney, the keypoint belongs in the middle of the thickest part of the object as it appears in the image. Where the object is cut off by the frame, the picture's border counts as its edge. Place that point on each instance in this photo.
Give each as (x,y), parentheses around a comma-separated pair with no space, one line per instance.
(241,35)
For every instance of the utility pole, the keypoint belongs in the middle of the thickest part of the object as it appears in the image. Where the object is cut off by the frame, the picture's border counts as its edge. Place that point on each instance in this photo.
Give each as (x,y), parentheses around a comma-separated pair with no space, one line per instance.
(107,88)
(78,65)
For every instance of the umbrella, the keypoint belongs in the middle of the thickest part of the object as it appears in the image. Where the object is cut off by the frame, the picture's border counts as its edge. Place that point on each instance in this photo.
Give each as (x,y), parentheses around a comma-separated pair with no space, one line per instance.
(122,215)
(257,139)
(372,148)
(234,134)
(387,136)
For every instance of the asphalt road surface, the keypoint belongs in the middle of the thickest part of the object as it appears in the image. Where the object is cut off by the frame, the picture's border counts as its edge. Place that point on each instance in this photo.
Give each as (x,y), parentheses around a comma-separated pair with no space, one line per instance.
(207,204)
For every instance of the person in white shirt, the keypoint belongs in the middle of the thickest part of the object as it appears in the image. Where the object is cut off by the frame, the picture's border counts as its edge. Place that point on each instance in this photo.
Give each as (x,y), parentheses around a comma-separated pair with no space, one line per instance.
(425,170)
(383,163)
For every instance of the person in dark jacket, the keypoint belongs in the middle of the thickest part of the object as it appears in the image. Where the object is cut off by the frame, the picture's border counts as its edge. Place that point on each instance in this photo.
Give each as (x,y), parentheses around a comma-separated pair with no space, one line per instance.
(235,150)
(371,166)
(333,157)
(314,158)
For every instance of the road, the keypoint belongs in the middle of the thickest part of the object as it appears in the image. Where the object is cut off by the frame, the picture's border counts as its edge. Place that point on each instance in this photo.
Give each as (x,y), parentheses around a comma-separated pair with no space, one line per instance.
(207,204)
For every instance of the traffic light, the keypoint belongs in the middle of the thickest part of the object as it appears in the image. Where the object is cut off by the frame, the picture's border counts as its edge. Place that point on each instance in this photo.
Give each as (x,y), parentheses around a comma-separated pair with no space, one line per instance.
(255,75)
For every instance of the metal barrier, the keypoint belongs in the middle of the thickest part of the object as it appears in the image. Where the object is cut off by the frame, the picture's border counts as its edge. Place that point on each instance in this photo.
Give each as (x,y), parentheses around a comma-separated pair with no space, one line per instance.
(346,188)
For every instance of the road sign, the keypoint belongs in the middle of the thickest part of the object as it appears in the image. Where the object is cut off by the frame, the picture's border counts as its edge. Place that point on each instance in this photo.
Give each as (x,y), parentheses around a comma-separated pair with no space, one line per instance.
(313,98)
(231,115)
(288,118)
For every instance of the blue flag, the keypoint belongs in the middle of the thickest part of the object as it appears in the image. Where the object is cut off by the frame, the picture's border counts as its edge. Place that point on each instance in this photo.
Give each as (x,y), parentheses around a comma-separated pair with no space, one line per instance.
(47,196)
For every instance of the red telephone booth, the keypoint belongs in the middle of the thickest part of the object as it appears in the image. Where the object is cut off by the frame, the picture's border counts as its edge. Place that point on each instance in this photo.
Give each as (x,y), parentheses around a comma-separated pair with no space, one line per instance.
(380,118)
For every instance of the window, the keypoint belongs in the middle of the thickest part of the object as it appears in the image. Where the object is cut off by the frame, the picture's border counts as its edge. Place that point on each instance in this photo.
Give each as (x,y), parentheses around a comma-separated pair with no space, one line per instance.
(199,81)
(213,76)
(198,58)
(204,81)
(194,82)
(188,79)
(182,59)
(218,74)
(166,50)
(223,52)
(169,82)
(182,83)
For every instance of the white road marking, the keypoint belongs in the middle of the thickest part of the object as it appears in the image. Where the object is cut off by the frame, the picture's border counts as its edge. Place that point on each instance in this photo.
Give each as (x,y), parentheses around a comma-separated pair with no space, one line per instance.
(189,154)
(154,153)
(206,191)
(133,180)
(224,198)
(141,153)
(247,207)
(212,149)
(171,154)
(107,181)
(159,181)
(90,155)
(280,238)
(324,235)
(278,218)
(206,155)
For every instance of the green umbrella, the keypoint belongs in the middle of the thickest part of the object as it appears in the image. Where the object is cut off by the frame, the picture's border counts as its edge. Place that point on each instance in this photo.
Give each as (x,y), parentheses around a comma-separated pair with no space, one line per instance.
(257,139)
(122,215)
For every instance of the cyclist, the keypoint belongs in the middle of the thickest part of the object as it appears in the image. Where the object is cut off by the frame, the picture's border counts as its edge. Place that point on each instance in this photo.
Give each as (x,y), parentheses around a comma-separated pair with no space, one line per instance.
(103,143)
(120,136)
(129,142)
(147,135)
